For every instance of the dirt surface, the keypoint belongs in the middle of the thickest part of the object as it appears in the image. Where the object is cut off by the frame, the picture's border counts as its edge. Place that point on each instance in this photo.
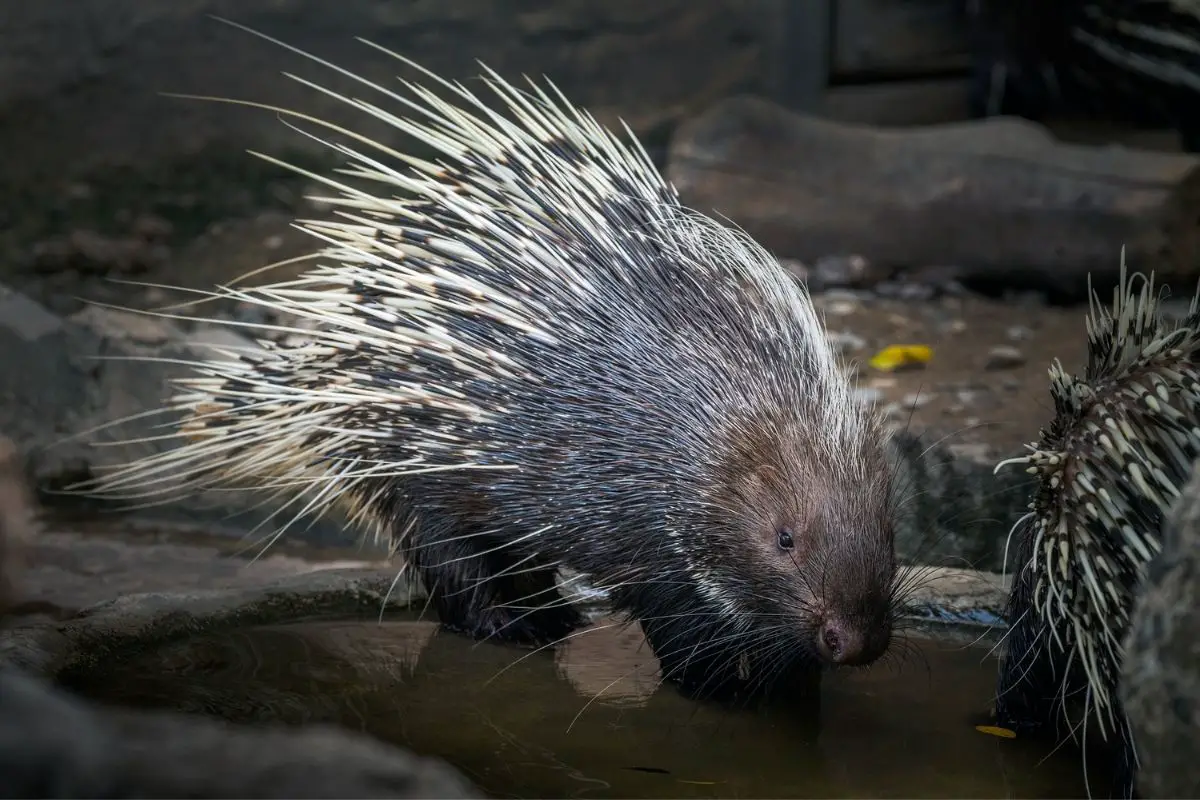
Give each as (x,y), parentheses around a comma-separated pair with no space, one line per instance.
(986,383)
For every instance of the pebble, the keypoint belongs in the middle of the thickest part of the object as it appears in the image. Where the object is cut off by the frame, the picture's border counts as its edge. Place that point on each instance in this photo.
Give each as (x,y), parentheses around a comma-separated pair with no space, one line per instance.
(953,326)
(845,341)
(967,396)
(841,309)
(905,290)
(1003,357)
(842,270)
(151,228)
(1019,333)
(976,451)
(867,397)
(914,400)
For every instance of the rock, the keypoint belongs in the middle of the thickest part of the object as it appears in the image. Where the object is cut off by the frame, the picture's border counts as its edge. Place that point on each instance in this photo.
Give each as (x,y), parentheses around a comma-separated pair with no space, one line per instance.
(1160,675)
(954,511)
(851,271)
(89,253)
(55,745)
(1003,357)
(983,196)
(867,396)
(906,290)
(845,341)
(1019,333)
(63,379)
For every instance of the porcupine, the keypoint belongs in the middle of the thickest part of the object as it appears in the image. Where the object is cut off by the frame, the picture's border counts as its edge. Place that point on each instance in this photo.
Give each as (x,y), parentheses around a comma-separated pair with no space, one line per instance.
(1108,467)
(1135,60)
(539,358)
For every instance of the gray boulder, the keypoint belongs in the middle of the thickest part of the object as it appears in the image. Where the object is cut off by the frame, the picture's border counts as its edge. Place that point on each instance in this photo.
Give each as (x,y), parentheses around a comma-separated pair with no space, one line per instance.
(1160,682)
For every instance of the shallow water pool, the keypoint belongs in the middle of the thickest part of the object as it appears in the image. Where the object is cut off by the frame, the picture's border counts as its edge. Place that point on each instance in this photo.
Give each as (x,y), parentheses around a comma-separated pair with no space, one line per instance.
(589,720)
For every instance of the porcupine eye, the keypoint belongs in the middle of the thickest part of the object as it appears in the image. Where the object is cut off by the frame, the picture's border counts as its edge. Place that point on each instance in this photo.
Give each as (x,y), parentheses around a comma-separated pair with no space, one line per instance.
(785,539)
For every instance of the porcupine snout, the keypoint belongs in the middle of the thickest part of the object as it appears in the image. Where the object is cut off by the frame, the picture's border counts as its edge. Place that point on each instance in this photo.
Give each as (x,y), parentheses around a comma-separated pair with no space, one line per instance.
(849,642)
(852,585)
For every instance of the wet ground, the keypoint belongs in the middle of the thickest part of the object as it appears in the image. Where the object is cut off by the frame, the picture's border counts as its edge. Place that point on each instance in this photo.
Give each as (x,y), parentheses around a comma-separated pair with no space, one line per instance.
(77,561)
(588,722)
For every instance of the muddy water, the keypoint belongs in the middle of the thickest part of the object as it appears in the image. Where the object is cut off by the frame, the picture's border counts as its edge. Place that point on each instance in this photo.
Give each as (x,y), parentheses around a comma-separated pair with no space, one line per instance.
(587,721)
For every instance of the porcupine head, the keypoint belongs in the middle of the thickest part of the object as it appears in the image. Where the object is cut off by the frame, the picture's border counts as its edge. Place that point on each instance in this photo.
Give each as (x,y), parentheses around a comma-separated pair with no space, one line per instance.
(540,359)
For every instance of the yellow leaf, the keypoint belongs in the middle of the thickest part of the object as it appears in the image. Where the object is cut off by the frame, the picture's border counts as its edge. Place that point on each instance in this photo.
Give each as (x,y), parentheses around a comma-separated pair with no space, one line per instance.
(901,355)
(995,730)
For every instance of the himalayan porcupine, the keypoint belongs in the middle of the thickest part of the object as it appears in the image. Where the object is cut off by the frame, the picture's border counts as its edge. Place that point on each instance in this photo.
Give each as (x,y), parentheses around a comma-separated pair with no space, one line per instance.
(528,355)
(1135,60)
(1107,469)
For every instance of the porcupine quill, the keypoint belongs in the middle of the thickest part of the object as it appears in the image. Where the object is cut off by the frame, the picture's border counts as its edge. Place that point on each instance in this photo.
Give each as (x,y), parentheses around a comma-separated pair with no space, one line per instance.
(1109,466)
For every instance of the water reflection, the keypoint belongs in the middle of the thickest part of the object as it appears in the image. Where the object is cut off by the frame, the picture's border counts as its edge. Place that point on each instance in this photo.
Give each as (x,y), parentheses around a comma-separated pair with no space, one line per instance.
(589,720)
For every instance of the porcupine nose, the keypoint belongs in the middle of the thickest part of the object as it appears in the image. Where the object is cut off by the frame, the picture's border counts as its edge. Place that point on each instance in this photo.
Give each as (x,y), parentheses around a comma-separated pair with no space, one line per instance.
(842,644)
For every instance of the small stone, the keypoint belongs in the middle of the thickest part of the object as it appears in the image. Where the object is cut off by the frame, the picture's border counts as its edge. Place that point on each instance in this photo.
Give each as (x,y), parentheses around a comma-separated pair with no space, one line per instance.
(952,289)
(127,326)
(155,296)
(151,228)
(845,341)
(1019,333)
(867,397)
(975,451)
(207,339)
(799,270)
(842,270)
(905,290)
(914,400)
(955,326)
(1003,357)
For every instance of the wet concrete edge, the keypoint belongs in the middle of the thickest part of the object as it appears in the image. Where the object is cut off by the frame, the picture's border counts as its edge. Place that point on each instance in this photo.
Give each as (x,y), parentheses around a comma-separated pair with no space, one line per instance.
(942,596)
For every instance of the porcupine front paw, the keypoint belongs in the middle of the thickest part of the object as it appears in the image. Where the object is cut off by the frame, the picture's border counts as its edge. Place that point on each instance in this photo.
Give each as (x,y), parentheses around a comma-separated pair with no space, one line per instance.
(526,627)
(689,659)
(484,593)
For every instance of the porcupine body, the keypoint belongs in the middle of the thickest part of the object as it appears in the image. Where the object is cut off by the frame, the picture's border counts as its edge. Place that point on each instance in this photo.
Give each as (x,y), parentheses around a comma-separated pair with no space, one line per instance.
(529,355)
(1134,60)
(1108,467)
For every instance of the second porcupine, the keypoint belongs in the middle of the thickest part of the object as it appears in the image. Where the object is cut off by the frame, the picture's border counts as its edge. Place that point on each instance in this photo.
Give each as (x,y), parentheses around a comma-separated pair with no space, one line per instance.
(1120,448)
(1136,60)
(538,358)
